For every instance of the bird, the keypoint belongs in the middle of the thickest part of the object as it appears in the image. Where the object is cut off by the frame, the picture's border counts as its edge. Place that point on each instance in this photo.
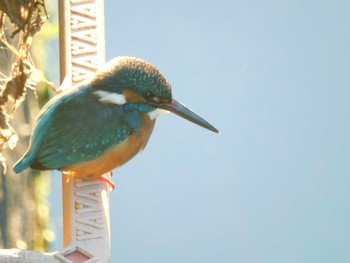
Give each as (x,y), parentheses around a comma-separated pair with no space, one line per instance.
(102,123)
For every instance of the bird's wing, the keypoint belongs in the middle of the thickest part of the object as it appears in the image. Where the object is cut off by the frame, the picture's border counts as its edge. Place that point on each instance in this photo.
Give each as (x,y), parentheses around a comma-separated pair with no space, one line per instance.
(78,128)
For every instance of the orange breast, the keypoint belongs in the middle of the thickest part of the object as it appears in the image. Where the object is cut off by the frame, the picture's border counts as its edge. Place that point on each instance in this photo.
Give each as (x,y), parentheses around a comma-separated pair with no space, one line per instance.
(115,156)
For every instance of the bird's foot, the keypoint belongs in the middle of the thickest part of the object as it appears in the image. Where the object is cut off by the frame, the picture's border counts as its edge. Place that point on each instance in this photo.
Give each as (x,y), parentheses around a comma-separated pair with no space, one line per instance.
(106,178)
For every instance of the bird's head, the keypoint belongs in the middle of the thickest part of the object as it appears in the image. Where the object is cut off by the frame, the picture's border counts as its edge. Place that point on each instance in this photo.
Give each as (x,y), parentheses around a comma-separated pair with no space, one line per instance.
(133,80)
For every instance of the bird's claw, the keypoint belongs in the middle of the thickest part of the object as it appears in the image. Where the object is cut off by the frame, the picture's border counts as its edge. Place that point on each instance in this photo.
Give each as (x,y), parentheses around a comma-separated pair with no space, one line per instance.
(106,178)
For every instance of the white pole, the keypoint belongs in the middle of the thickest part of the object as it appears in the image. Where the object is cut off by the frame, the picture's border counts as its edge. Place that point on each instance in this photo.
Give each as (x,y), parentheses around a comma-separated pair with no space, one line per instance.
(86,220)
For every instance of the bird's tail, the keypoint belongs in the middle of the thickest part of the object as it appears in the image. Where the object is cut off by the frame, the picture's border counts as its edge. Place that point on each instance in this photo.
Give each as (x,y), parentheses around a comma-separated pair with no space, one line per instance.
(21,164)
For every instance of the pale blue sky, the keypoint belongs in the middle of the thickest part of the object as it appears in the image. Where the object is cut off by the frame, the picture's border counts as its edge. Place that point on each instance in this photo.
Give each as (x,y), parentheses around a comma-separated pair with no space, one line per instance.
(274,77)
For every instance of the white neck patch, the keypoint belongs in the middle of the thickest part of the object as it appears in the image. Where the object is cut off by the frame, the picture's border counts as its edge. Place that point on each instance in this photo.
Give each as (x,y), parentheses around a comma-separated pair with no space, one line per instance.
(110,97)
(154,114)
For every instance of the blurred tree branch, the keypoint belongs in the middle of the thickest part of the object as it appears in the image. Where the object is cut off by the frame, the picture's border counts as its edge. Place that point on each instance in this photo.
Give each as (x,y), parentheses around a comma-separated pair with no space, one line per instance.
(28,17)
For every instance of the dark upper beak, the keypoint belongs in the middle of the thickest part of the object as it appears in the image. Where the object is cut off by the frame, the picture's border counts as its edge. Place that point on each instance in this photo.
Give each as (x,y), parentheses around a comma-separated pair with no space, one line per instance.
(184,112)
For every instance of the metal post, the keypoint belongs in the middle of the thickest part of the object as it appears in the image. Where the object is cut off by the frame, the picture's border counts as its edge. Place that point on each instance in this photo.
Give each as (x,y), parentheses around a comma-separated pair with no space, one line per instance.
(85,203)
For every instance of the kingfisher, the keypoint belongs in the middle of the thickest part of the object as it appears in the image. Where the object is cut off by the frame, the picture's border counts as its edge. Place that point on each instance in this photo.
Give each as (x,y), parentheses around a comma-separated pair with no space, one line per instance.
(99,125)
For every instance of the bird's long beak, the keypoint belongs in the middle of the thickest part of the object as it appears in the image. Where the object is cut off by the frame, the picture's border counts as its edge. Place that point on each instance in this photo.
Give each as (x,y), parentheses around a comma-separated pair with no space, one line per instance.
(184,112)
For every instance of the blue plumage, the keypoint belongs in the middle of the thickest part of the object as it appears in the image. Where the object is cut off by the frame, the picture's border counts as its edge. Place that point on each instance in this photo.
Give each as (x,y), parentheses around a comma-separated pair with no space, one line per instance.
(75,129)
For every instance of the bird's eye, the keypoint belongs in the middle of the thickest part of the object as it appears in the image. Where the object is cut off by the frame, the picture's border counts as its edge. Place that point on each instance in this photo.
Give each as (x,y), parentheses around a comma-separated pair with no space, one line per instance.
(150,96)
